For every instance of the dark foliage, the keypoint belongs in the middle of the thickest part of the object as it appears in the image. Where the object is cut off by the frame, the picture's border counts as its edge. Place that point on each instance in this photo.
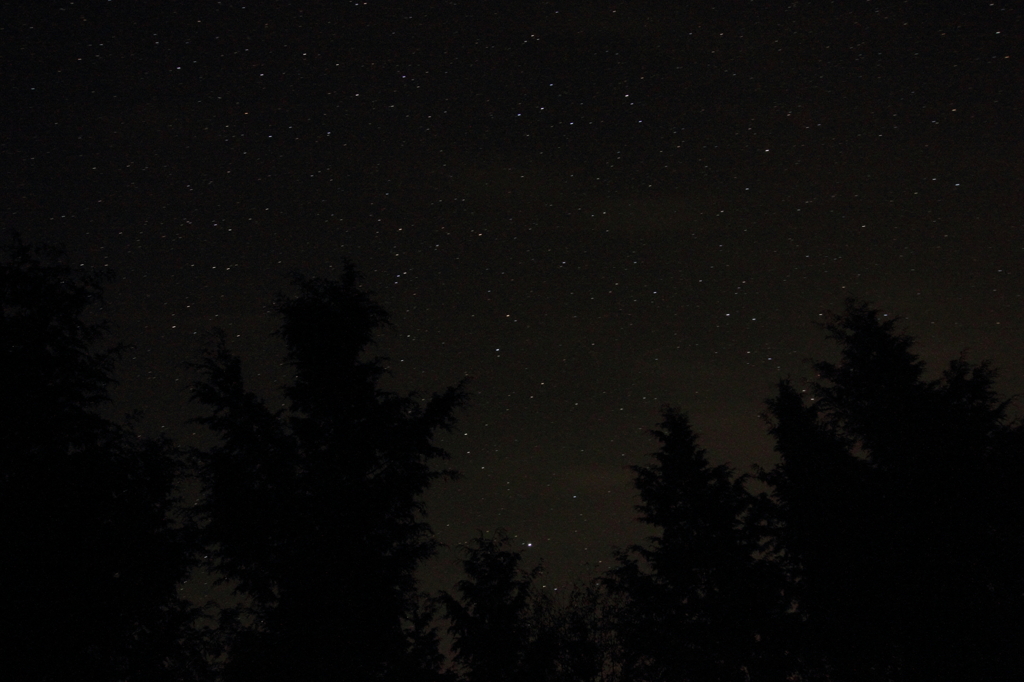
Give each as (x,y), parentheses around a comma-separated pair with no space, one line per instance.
(899,513)
(316,509)
(580,634)
(700,602)
(505,628)
(91,553)
(494,620)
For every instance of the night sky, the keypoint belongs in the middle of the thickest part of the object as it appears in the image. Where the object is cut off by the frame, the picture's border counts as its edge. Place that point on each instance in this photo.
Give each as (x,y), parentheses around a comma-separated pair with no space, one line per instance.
(591,208)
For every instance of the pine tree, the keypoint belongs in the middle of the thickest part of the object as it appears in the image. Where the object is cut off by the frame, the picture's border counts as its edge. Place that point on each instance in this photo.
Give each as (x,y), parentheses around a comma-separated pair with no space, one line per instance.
(92,552)
(495,619)
(701,603)
(316,509)
(578,627)
(898,514)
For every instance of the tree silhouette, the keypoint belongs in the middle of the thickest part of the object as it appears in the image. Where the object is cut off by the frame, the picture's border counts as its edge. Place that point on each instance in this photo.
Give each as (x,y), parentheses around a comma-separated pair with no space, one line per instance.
(897,501)
(701,604)
(495,621)
(316,509)
(506,628)
(91,554)
(580,635)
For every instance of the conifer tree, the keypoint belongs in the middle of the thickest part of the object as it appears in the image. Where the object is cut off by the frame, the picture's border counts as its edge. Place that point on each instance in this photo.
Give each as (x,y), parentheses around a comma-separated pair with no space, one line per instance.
(316,509)
(92,553)
(701,603)
(495,619)
(898,513)
(505,627)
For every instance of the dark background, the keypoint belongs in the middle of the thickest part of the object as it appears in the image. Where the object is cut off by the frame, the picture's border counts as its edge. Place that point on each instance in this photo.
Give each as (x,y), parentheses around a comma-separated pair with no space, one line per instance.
(592,209)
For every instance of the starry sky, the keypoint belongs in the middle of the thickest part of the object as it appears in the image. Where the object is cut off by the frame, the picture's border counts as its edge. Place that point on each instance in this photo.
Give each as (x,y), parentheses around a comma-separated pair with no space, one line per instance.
(592,208)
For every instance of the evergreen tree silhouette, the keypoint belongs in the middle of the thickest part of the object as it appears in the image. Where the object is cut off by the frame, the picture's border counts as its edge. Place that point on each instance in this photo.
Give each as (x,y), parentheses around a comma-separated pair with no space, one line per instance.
(496,620)
(701,603)
(580,635)
(899,513)
(316,509)
(91,553)
(506,628)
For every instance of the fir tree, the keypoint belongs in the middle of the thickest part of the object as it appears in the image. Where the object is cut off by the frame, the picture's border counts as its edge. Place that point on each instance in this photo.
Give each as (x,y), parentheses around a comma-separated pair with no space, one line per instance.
(92,553)
(495,619)
(316,509)
(897,501)
(701,603)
